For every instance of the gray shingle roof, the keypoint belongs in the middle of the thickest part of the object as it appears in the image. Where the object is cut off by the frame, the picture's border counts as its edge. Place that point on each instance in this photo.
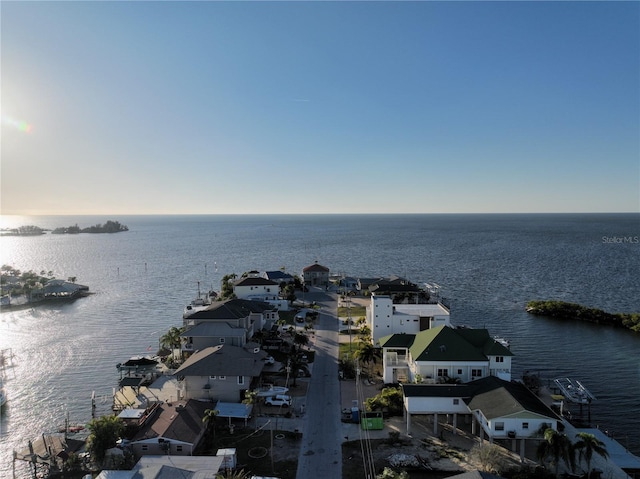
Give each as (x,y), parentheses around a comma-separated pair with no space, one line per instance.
(231,309)
(254,281)
(223,360)
(179,421)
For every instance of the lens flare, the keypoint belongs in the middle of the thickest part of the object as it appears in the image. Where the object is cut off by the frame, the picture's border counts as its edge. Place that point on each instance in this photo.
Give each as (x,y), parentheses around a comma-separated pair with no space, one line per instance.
(18,124)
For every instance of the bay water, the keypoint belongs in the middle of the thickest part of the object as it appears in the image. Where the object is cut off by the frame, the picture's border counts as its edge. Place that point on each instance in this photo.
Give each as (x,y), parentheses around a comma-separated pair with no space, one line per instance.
(488,267)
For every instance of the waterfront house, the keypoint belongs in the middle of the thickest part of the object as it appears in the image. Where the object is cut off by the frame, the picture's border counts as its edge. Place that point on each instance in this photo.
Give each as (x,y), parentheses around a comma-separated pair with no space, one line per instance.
(508,410)
(256,288)
(222,372)
(163,467)
(498,409)
(278,277)
(209,333)
(58,289)
(395,286)
(316,275)
(443,354)
(385,318)
(363,284)
(252,316)
(175,429)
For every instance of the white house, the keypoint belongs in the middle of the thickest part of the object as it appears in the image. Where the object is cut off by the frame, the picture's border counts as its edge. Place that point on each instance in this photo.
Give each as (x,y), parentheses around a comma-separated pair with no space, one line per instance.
(443,354)
(499,409)
(256,288)
(385,318)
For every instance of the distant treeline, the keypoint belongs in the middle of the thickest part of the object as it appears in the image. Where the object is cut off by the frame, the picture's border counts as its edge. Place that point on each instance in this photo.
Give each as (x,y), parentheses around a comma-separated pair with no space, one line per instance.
(108,227)
(31,230)
(560,309)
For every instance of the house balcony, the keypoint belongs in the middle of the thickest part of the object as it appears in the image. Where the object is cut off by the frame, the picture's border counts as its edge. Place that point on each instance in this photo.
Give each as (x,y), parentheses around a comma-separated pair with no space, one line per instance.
(395,360)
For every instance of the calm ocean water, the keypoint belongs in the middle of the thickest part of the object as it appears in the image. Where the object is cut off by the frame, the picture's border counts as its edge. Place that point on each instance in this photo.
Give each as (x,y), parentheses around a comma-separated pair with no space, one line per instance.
(489,266)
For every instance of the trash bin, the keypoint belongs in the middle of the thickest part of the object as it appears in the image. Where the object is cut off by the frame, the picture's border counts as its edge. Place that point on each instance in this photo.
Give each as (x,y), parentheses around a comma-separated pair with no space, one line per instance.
(371,421)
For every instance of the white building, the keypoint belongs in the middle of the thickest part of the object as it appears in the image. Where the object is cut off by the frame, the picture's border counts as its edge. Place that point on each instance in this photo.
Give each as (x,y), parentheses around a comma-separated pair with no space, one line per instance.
(256,288)
(385,318)
(443,354)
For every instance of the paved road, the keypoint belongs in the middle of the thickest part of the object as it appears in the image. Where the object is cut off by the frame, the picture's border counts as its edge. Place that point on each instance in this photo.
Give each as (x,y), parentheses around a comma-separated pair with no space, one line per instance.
(321,448)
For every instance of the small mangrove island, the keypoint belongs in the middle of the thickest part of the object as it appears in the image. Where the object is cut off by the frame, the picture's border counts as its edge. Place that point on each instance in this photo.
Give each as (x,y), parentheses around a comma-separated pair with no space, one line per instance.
(564,310)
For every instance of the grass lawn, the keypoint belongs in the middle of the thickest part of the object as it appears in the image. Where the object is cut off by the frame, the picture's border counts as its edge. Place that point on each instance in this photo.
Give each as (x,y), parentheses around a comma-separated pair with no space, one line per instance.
(356,312)
(253,450)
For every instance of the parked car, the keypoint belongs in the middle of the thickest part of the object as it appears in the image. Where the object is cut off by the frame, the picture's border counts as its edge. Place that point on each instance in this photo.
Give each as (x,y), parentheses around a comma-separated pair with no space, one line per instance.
(278,400)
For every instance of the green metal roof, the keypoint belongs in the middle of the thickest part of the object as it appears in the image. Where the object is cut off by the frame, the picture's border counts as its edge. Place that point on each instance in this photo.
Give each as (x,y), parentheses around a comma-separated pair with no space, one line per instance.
(400,340)
(444,344)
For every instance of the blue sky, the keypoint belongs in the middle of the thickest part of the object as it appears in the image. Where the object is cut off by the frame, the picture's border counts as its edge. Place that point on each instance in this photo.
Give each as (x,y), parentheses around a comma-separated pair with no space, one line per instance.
(316,107)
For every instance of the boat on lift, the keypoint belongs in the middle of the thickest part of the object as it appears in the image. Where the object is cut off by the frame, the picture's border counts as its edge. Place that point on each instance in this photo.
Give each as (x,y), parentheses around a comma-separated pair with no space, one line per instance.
(574,391)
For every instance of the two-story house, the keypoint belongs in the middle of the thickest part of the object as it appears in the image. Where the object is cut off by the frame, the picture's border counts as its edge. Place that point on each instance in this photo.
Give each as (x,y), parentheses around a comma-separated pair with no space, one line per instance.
(498,409)
(223,322)
(221,373)
(444,354)
(385,318)
(256,288)
(316,275)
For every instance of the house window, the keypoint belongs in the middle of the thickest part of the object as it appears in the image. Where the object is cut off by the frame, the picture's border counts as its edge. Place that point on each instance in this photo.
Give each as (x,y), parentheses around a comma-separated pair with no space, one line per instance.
(525,425)
(221,340)
(212,377)
(240,379)
(443,373)
(178,448)
(222,378)
(499,426)
(456,402)
(476,373)
(499,359)
(145,447)
(459,372)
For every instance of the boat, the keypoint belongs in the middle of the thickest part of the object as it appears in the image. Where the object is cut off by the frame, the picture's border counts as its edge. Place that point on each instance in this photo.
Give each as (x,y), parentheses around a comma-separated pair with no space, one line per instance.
(505,342)
(271,391)
(574,391)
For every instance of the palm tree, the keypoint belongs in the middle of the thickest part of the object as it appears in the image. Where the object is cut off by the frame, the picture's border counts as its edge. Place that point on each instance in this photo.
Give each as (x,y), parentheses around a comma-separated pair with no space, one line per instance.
(366,354)
(558,447)
(171,339)
(209,419)
(587,444)
(229,474)
(300,339)
(365,333)
(251,398)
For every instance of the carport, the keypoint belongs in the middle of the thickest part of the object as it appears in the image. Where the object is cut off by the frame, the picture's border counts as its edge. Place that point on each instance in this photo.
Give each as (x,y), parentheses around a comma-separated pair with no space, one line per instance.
(234,410)
(434,400)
